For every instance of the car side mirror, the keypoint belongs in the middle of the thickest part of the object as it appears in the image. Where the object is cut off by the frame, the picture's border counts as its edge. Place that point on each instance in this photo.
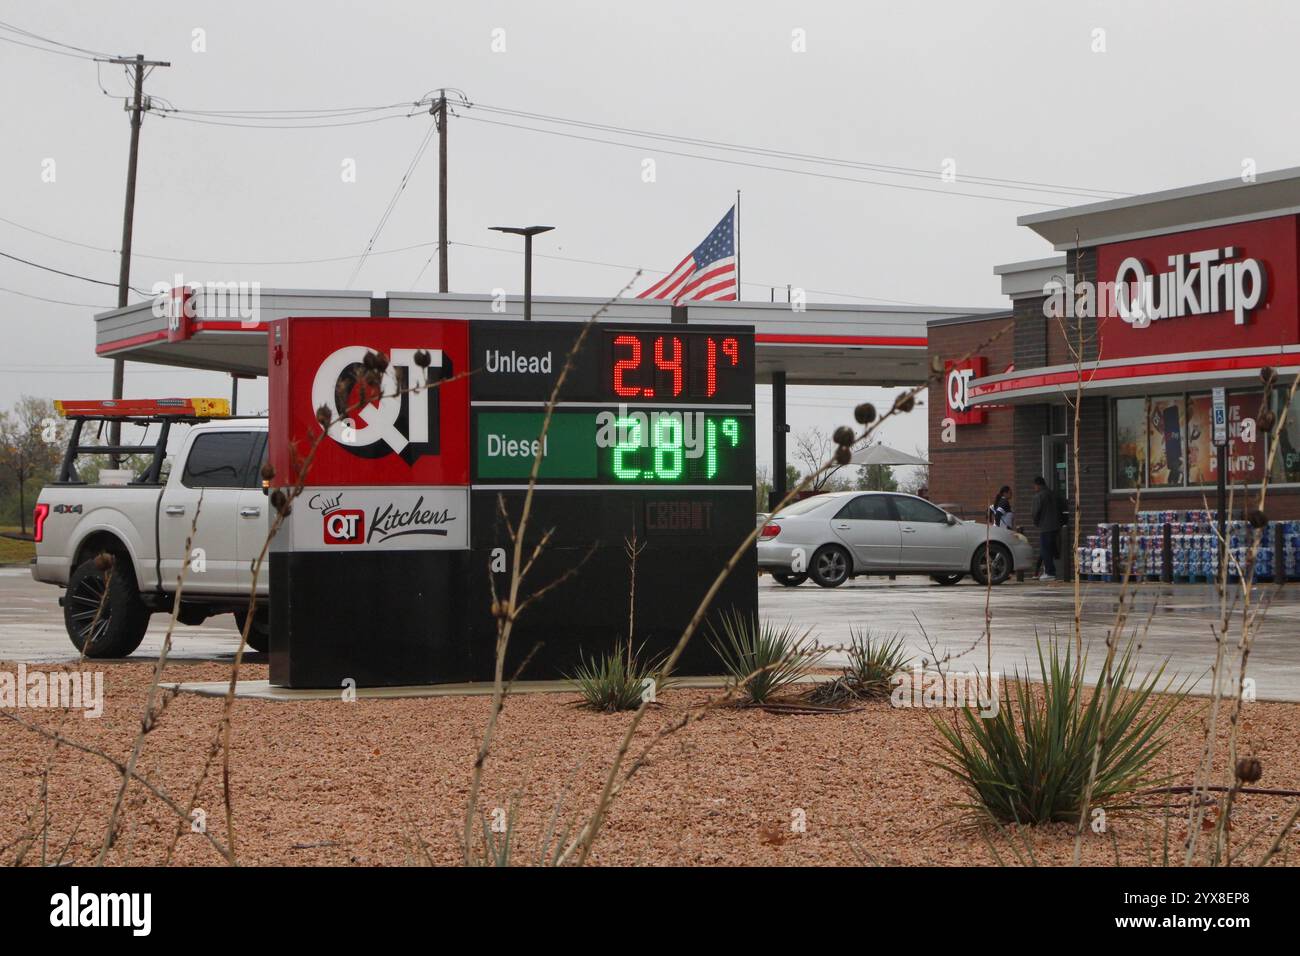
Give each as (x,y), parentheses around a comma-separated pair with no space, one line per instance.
(952,519)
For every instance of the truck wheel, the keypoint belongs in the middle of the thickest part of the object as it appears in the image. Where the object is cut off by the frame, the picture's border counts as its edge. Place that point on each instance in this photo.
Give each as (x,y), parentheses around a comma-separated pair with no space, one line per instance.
(259,635)
(119,627)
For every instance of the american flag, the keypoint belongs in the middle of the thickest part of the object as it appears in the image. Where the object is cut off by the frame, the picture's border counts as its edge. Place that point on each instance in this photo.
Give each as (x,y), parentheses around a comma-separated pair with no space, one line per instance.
(709,272)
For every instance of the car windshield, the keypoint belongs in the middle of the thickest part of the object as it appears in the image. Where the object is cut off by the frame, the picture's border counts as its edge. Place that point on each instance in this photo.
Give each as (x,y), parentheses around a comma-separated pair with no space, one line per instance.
(806,505)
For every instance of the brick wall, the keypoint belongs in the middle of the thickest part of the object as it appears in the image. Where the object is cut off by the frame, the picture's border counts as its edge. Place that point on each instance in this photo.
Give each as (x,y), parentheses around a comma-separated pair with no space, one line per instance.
(1093,480)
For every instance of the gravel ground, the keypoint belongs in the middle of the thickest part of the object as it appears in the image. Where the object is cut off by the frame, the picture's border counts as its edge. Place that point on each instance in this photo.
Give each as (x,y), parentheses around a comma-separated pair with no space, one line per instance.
(365,783)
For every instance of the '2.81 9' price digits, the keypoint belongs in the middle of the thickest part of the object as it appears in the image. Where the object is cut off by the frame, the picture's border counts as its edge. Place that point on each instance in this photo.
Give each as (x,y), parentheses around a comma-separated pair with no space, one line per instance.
(658,448)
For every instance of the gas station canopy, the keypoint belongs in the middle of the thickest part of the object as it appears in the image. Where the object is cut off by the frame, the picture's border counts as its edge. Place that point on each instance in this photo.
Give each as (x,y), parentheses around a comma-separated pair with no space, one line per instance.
(224,329)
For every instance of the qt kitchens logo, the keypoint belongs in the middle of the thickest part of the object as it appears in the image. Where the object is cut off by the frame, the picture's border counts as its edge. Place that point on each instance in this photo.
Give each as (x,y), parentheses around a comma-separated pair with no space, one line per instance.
(402,419)
(390,519)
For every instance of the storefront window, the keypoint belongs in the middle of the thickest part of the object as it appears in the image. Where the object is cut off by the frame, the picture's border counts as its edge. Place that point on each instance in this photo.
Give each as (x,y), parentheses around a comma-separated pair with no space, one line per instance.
(1130,442)
(1286,465)
(1165,441)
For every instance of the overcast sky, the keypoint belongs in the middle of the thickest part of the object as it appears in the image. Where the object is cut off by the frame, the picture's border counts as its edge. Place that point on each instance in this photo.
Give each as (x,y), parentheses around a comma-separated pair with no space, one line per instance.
(1182,93)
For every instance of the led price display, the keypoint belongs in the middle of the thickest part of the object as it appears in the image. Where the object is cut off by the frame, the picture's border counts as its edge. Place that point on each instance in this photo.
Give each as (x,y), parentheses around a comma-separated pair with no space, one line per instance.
(656,447)
(617,446)
(641,365)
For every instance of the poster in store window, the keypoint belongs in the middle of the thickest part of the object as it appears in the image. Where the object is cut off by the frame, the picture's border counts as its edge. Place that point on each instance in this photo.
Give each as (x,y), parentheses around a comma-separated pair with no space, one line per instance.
(1165,443)
(1131,442)
(1201,458)
(1245,443)
(1245,456)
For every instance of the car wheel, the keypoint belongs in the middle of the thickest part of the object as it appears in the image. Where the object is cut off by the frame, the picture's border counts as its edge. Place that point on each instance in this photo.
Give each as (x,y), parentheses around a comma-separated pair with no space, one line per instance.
(947,580)
(789,579)
(259,635)
(830,566)
(993,566)
(100,625)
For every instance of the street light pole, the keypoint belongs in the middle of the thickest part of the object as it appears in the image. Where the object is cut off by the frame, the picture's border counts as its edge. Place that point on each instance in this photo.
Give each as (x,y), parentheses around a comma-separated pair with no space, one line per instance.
(527,232)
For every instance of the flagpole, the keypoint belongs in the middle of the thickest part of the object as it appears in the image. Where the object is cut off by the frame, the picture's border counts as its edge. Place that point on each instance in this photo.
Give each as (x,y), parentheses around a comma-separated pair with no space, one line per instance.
(737,245)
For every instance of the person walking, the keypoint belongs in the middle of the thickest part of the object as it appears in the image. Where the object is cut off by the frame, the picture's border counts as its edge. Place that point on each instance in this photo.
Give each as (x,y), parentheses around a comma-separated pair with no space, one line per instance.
(1047,518)
(1000,510)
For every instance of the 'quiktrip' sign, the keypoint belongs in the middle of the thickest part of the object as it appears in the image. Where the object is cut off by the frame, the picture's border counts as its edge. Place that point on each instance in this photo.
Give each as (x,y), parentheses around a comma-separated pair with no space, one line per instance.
(1218,288)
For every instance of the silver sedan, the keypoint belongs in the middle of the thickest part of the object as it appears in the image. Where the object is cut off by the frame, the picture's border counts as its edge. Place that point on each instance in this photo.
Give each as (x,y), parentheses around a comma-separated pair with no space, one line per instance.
(833,537)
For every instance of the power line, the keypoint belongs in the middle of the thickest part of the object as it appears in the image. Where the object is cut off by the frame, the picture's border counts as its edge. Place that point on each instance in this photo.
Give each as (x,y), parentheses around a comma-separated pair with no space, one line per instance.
(40,298)
(216,262)
(631,268)
(173,115)
(808,157)
(80,52)
(779,169)
(392,202)
(70,275)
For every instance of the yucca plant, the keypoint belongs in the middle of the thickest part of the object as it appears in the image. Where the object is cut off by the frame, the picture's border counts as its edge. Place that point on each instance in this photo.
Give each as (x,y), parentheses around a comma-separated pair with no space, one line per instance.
(1030,762)
(762,657)
(614,681)
(872,662)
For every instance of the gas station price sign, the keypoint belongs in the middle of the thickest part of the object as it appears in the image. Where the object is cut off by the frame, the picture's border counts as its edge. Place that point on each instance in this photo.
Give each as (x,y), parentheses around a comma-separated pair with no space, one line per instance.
(643,406)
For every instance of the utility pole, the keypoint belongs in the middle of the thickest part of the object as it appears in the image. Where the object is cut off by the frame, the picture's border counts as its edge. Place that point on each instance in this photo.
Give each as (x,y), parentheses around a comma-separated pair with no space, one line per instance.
(440,117)
(440,110)
(138,106)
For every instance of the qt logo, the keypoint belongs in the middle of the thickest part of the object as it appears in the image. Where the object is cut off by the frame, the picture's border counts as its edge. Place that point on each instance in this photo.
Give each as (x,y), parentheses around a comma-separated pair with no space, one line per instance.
(401,417)
(345,526)
(959,388)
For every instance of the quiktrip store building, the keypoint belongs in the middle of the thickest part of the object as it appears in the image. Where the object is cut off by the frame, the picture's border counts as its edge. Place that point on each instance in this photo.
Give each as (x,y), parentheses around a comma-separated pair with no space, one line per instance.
(1151,303)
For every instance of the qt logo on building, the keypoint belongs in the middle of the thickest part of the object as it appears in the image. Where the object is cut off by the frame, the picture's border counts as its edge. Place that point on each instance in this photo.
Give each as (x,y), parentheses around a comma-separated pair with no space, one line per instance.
(399,417)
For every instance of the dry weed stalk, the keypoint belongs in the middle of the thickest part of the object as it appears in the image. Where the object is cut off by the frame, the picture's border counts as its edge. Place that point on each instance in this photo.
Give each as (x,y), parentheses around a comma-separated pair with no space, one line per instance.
(903,403)
(507,612)
(148,719)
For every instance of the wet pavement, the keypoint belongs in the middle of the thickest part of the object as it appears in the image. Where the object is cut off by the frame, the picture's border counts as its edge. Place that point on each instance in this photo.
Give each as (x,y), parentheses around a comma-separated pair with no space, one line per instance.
(1173,621)
(1169,621)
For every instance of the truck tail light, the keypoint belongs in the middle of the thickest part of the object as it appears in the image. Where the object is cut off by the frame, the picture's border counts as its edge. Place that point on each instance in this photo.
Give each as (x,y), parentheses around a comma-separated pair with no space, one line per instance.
(770,531)
(38,521)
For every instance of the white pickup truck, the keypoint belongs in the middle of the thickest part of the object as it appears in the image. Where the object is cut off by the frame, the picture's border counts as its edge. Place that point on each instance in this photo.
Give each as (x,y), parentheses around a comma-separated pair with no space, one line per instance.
(143,523)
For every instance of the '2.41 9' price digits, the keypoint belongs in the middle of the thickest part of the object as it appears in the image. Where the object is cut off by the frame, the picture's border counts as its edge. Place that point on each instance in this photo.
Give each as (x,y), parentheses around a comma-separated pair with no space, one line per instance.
(685,366)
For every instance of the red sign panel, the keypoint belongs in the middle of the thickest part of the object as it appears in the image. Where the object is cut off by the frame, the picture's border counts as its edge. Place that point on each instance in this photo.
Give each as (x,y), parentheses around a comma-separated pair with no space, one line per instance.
(956,390)
(179,309)
(410,429)
(1225,287)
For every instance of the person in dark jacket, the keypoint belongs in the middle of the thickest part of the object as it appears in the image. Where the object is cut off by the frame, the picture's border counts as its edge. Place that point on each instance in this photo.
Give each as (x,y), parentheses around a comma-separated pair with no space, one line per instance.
(1000,510)
(1047,518)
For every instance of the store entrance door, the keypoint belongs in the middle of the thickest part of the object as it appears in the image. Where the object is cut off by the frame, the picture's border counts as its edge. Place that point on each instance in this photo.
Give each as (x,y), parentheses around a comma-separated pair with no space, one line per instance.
(1056,469)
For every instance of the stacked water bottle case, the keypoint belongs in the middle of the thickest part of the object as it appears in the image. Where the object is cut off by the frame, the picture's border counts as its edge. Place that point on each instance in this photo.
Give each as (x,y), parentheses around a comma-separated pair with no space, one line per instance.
(1194,544)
